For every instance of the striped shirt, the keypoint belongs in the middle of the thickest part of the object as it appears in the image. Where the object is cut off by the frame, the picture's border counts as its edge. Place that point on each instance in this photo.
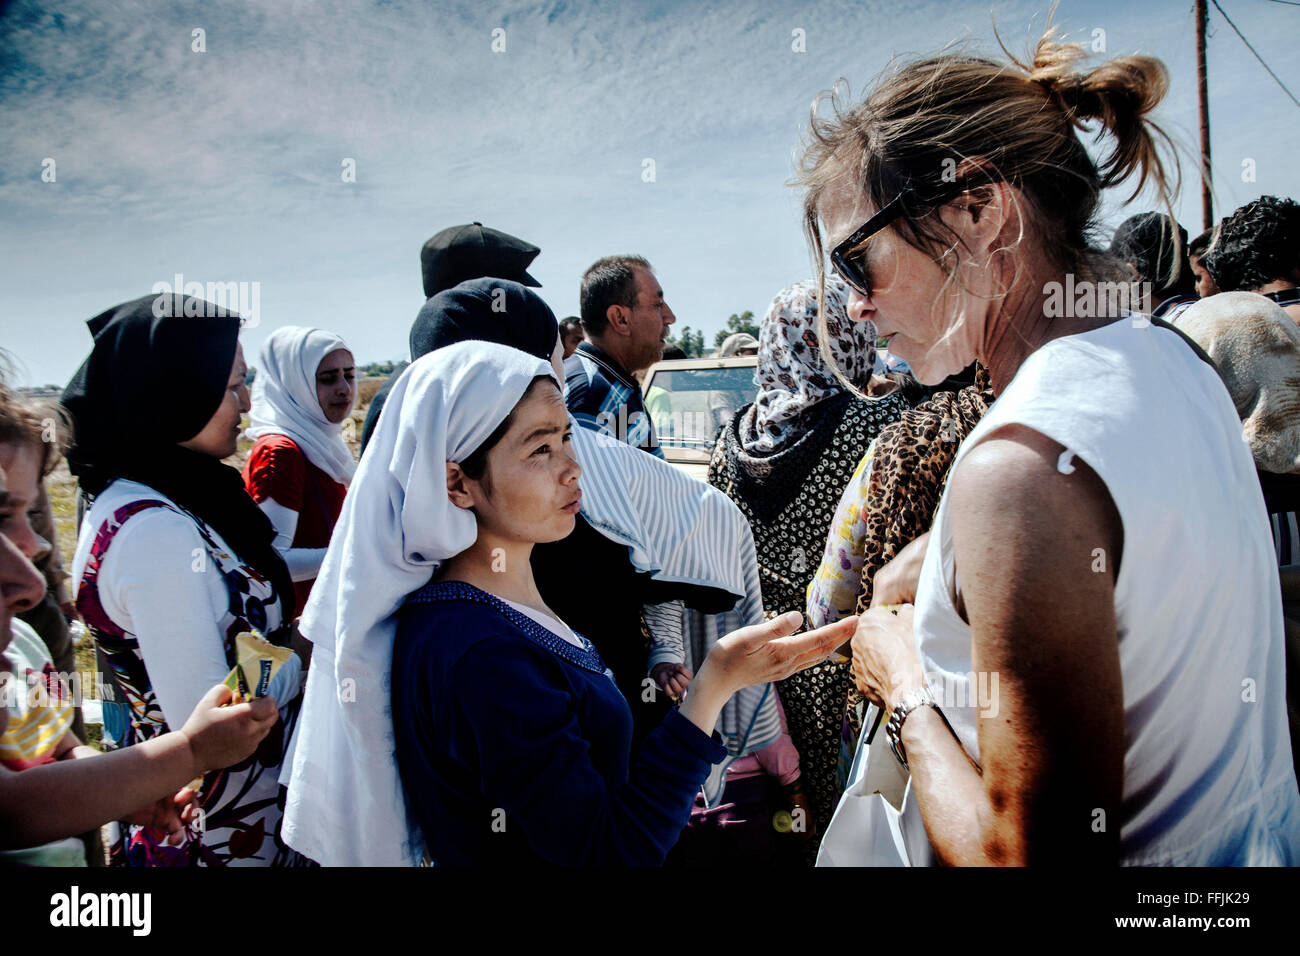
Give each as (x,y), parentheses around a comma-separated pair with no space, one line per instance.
(40,713)
(603,397)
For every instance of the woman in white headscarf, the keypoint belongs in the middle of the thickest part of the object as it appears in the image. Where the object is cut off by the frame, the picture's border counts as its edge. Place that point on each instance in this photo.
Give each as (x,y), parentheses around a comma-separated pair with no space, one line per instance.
(299,467)
(513,742)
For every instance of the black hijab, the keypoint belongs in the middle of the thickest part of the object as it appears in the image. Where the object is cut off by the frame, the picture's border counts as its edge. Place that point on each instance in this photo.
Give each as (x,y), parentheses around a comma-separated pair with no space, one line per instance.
(486,310)
(482,310)
(156,375)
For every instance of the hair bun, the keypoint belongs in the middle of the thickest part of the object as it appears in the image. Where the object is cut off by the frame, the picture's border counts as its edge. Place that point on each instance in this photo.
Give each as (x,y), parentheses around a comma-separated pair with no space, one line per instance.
(1120,94)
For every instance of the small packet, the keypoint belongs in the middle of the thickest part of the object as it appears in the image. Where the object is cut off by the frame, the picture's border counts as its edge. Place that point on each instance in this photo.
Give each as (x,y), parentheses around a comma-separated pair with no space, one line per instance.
(257,661)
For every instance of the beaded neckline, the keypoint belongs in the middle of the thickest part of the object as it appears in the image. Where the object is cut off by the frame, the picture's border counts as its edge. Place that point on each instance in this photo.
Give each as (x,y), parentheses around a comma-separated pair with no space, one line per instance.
(586,657)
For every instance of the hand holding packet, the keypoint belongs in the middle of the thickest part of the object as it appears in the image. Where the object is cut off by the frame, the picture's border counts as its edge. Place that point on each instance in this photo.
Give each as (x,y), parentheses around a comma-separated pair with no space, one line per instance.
(256,662)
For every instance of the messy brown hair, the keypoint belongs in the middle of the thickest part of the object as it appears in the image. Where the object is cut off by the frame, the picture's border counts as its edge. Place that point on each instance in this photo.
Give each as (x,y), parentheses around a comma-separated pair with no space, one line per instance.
(1012,122)
(43,426)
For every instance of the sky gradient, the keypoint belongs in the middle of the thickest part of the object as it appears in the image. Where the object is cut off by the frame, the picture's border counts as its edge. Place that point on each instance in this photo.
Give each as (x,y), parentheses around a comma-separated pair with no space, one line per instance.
(225,165)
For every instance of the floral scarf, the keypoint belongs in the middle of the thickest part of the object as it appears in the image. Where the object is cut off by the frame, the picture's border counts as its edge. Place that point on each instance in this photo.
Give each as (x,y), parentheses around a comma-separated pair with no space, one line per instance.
(792,375)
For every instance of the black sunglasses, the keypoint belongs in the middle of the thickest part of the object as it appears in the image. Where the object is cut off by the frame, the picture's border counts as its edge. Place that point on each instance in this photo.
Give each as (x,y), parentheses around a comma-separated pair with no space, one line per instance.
(851,268)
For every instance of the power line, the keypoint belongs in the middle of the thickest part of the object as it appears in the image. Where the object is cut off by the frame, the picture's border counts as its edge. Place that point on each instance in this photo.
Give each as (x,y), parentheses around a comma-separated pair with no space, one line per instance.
(1276,78)
(1289,3)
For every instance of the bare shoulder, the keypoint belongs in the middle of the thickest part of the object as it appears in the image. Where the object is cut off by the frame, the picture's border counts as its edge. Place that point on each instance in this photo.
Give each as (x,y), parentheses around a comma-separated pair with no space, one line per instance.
(1022,501)
(1016,467)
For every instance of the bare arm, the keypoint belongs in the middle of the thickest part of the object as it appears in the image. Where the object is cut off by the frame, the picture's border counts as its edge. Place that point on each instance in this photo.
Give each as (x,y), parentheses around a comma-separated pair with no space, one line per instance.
(304,563)
(68,797)
(71,748)
(1052,746)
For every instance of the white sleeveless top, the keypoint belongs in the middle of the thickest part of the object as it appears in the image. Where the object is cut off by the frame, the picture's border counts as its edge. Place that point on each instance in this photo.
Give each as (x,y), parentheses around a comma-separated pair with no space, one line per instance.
(1208,778)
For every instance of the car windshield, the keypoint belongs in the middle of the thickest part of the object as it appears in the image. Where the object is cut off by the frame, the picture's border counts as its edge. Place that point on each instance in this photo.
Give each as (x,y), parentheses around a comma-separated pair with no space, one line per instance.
(689,405)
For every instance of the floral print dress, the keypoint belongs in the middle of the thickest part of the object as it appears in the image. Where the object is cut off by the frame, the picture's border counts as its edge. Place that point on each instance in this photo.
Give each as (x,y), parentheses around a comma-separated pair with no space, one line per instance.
(241,805)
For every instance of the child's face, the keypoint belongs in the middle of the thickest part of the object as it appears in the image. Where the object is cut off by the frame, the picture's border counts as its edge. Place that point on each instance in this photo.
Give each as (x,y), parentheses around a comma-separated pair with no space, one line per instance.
(22,466)
(530,490)
(21,585)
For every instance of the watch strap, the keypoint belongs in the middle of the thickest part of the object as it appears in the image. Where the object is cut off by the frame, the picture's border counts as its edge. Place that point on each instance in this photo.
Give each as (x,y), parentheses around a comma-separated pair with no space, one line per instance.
(920,697)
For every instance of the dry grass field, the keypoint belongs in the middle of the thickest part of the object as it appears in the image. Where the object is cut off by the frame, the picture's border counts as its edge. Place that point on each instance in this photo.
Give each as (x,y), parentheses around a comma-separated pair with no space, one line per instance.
(62,489)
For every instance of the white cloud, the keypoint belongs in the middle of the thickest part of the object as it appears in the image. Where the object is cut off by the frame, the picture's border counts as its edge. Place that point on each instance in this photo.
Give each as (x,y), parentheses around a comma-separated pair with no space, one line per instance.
(225,164)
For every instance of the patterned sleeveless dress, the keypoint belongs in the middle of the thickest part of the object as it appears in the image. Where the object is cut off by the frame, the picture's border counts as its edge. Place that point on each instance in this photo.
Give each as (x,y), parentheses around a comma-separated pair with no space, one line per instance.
(242,804)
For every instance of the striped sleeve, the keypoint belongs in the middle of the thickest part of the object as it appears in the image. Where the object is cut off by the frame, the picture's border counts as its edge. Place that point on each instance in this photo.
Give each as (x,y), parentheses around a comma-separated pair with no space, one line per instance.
(39,705)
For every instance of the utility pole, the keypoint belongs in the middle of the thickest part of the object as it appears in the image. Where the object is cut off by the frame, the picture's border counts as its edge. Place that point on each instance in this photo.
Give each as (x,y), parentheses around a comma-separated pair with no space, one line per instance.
(1207,203)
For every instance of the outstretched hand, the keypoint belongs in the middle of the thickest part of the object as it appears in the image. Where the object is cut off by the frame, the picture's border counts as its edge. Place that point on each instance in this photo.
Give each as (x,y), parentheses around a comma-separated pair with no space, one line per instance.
(221,734)
(758,654)
(771,651)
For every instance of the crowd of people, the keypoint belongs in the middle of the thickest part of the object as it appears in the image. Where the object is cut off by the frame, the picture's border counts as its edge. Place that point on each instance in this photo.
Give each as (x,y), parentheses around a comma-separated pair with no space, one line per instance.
(1051,620)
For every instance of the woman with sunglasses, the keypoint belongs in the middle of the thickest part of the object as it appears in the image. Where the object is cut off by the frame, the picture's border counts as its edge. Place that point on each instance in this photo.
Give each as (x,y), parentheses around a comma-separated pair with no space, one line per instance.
(1093,669)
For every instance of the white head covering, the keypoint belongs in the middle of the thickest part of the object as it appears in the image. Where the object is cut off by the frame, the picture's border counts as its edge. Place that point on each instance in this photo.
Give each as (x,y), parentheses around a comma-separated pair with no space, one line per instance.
(285,402)
(345,804)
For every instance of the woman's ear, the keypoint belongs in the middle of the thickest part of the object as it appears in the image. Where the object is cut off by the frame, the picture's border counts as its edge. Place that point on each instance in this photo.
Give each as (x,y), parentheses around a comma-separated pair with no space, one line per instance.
(979,215)
(458,487)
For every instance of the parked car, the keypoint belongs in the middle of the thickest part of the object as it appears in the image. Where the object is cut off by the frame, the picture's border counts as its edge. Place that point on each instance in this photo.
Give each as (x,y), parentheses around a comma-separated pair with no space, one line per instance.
(689,400)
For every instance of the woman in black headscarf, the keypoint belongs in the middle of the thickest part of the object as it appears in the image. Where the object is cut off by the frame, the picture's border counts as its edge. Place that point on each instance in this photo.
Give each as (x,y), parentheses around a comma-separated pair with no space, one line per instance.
(174,559)
(481,310)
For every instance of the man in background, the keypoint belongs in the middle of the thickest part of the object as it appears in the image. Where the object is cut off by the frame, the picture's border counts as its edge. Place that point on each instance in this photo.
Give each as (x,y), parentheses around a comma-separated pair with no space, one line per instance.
(1196,250)
(1147,243)
(626,322)
(1258,250)
(571,334)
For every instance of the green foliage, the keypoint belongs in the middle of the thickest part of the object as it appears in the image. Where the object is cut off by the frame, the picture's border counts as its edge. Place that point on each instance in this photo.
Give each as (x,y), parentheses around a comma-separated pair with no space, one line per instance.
(690,341)
(744,322)
(376,368)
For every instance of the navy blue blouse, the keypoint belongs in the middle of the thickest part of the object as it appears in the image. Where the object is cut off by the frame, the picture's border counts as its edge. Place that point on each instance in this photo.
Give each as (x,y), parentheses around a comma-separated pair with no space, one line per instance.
(515,746)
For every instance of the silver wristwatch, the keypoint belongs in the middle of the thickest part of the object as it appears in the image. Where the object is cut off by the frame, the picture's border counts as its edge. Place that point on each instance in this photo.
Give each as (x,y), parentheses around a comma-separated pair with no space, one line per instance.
(906,704)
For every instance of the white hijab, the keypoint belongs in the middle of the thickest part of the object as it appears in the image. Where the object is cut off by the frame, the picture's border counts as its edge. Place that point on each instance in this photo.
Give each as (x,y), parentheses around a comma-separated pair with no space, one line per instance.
(285,402)
(345,803)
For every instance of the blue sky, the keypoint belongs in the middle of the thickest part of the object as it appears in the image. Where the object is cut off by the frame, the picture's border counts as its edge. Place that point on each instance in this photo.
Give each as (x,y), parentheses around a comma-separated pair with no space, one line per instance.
(225,165)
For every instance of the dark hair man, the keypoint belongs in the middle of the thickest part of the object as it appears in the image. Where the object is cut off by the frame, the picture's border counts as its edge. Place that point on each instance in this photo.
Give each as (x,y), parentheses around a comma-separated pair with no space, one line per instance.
(626,320)
(1147,243)
(1258,250)
(571,334)
(1205,286)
